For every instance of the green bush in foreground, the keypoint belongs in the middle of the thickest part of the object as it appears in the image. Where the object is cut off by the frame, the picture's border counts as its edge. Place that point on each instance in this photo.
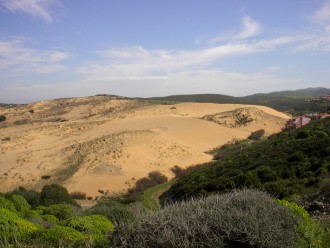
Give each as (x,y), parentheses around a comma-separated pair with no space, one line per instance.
(312,234)
(95,226)
(245,218)
(13,227)
(5,203)
(62,236)
(20,204)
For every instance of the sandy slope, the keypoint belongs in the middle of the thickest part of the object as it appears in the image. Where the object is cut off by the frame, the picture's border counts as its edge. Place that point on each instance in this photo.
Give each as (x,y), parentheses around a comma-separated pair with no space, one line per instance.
(105,143)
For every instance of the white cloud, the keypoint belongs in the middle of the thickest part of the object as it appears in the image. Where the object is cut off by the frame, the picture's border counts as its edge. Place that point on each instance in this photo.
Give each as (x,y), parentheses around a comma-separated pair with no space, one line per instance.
(138,62)
(250,28)
(323,14)
(14,56)
(36,8)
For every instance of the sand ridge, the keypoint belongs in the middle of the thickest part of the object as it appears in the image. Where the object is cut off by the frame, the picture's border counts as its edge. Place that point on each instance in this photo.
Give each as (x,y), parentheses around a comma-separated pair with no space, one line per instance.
(107,142)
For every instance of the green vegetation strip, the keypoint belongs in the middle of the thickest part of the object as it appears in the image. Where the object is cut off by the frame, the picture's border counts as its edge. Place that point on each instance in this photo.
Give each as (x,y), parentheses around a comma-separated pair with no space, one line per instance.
(150,196)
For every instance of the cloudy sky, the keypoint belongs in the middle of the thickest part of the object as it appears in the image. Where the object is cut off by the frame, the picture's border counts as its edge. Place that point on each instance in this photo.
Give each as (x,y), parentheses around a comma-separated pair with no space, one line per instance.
(67,48)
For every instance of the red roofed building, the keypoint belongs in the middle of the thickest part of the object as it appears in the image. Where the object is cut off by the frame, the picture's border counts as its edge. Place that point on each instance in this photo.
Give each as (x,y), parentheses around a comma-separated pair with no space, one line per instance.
(297,122)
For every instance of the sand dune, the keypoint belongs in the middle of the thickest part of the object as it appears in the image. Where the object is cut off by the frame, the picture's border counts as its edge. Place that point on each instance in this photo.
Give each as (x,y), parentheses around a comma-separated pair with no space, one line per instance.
(105,143)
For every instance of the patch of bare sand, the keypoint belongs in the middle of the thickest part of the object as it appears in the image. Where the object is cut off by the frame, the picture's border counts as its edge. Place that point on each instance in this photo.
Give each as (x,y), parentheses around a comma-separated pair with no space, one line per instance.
(105,143)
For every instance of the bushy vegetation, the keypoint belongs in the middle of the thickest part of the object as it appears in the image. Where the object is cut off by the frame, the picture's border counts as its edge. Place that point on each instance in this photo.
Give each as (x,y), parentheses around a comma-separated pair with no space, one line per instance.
(293,162)
(20,204)
(54,194)
(2,118)
(246,218)
(114,210)
(31,196)
(257,135)
(242,218)
(180,172)
(63,236)
(311,233)
(55,225)
(78,195)
(14,227)
(60,211)
(96,227)
(7,204)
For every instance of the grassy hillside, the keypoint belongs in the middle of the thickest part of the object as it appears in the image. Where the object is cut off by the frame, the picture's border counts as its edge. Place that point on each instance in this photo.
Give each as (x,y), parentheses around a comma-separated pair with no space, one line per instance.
(287,163)
(292,101)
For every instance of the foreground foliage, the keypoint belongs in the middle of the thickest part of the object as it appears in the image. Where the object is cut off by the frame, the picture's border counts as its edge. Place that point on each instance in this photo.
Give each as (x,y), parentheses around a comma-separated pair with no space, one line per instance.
(245,218)
(312,235)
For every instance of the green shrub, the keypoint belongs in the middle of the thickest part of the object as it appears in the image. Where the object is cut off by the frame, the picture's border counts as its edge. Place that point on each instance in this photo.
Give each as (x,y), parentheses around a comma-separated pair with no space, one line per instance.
(303,134)
(62,236)
(21,205)
(95,226)
(55,194)
(246,218)
(50,218)
(61,211)
(113,210)
(33,214)
(5,203)
(31,196)
(312,234)
(13,227)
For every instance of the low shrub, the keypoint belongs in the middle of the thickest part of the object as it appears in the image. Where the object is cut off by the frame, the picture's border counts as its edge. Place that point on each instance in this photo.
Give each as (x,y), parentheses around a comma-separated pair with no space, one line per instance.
(257,135)
(7,204)
(180,172)
(2,118)
(61,211)
(62,236)
(21,205)
(245,218)
(77,195)
(312,235)
(95,226)
(31,196)
(50,218)
(12,227)
(113,210)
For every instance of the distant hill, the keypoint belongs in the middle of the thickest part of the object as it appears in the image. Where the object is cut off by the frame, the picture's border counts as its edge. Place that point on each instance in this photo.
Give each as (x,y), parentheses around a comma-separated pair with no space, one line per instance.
(301,93)
(293,101)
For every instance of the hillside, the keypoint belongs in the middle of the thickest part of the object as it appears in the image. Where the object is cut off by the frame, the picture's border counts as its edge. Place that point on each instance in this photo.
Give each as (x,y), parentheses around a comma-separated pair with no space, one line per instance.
(107,142)
(291,101)
(287,163)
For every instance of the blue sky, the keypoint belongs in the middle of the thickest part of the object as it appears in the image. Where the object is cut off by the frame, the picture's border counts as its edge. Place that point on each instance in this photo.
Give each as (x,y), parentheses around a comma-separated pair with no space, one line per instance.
(68,48)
